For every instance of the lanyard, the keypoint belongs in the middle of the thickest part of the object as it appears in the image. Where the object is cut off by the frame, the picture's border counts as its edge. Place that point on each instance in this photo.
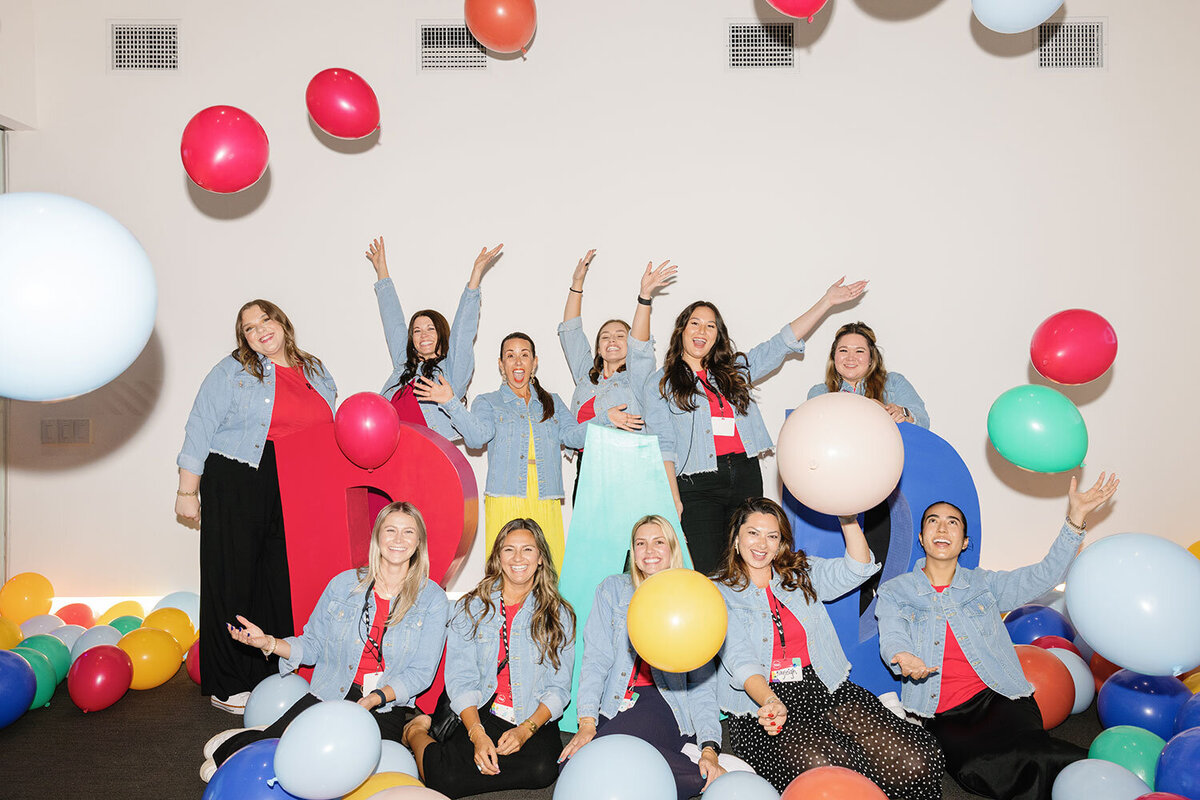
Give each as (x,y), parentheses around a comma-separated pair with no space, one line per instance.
(374,648)
(717,392)
(503,636)
(776,618)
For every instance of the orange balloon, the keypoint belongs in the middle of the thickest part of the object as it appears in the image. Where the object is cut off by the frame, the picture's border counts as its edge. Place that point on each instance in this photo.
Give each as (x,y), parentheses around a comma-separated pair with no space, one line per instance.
(77,614)
(26,595)
(380,781)
(677,620)
(1053,686)
(834,783)
(10,634)
(505,26)
(1101,668)
(175,622)
(1193,683)
(155,654)
(125,608)
(1194,549)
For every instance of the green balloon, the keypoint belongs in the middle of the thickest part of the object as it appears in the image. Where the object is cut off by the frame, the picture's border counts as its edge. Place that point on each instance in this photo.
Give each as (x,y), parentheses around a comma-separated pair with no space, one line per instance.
(1135,749)
(43,672)
(1038,429)
(57,653)
(127,623)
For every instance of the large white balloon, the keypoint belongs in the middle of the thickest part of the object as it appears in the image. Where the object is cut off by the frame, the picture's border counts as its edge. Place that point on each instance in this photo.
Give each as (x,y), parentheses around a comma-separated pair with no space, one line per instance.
(840,453)
(77,297)
(1014,16)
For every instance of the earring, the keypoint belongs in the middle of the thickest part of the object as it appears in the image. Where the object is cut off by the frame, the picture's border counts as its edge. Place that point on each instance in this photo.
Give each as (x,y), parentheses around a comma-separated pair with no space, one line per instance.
(735,547)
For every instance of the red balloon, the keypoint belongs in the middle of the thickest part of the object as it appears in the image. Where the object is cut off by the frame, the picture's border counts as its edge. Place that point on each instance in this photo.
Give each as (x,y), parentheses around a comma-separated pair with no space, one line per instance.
(367,429)
(1047,642)
(1102,669)
(224,149)
(1073,346)
(77,614)
(801,9)
(342,104)
(193,662)
(1161,796)
(99,677)
(504,26)
(833,783)
(1053,686)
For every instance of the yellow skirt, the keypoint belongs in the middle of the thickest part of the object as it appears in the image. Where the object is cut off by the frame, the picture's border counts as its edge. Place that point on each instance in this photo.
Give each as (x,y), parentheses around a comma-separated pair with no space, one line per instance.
(499,511)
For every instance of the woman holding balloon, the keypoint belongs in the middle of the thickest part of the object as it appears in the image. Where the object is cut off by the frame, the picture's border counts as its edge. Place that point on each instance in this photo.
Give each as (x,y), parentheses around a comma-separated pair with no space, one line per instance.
(940,629)
(266,389)
(784,673)
(856,365)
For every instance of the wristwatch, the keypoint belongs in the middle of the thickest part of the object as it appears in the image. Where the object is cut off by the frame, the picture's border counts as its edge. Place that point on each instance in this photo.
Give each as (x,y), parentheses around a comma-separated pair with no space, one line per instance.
(714,746)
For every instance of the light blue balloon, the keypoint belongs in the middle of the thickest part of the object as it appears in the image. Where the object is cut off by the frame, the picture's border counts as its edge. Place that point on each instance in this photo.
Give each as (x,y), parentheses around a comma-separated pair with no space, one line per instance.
(616,767)
(1133,597)
(328,750)
(273,695)
(42,623)
(68,634)
(1081,675)
(100,634)
(395,757)
(741,786)
(1014,16)
(187,602)
(1094,779)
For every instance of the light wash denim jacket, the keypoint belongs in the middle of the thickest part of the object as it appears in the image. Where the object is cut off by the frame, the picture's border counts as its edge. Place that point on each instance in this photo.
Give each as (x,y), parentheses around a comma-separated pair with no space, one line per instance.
(750,640)
(896,389)
(608,662)
(232,413)
(623,388)
(335,635)
(913,615)
(686,438)
(471,661)
(500,420)
(457,366)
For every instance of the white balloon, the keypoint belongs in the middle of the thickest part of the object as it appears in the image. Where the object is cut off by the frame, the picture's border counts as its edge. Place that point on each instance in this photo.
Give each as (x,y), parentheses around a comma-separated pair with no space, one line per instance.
(77,297)
(1081,675)
(1014,16)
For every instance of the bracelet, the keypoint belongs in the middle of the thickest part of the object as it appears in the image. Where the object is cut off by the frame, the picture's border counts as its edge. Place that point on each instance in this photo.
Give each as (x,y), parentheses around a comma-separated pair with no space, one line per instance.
(471,729)
(382,697)
(1077,528)
(773,699)
(644,300)
(576,291)
(269,649)
(589,720)
(188,494)
(533,726)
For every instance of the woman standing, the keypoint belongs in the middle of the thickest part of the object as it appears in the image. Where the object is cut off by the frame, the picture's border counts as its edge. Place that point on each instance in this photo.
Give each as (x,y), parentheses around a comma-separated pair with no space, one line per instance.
(856,365)
(791,707)
(265,389)
(509,655)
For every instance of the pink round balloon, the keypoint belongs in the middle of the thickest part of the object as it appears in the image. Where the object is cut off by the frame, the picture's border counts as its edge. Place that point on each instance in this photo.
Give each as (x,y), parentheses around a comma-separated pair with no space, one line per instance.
(193,662)
(1073,346)
(840,453)
(224,149)
(342,104)
(367,429)
(801,9)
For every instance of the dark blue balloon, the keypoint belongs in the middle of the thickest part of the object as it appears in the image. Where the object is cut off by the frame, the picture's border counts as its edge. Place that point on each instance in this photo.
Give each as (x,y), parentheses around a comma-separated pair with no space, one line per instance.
(1179,765)
(18,685)
(1030,622)
(1144,701)
(1188,715)
(245,774)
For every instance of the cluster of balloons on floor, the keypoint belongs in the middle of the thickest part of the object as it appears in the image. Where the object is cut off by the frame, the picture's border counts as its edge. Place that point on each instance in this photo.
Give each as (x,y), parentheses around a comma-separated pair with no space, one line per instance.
(1002,16)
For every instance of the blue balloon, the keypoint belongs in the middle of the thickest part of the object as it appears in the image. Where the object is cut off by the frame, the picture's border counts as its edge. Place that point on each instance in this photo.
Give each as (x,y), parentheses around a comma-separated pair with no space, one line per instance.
(18,685)
(616,767)
(395,757)
(1188,715)
(1081,676)
(1179,765)
(187,602)
(1095,779)
(1014,16)
(328,750)
(246,775)
(741,786)
(1038,621)
(273,695)
(68,634)
(100,634)
(1143,701)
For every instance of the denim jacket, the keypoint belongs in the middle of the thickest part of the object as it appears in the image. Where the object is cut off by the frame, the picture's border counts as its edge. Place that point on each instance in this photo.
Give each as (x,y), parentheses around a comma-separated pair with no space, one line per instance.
(335,635)
(750,640)
(457,366)
(896,389)
(608,660)
(623,388)
(500,420)
(686,438)
(232,413)
(913,616)
(471,661)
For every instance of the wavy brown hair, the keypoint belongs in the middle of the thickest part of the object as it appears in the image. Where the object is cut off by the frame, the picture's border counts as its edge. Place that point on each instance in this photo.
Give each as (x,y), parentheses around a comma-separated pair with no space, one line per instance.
(415,365)
(548,632)
(876,377)
(544,397)
(730,378)
(418,562)
(789,563)
(598,362)
(295,356)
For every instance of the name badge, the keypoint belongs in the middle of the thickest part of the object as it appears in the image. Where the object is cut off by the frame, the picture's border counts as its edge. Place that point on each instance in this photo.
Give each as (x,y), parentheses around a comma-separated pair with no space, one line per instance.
(371,682)
(724,426)
(782,674)
(627,703)
(505,713)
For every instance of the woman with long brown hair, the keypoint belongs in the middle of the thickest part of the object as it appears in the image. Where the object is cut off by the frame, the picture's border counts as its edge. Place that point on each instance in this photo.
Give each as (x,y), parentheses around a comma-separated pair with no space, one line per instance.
(856,365)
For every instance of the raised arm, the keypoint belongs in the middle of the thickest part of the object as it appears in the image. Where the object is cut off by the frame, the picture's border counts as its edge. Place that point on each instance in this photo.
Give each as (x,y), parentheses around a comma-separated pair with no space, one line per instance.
(395,328)
(653,279)
(574,305)
(836,295)
(483,262)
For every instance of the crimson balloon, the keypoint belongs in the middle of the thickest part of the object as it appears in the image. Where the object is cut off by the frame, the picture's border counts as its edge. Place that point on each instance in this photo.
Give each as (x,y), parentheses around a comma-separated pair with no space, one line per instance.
(367,429)
(1073,346)
(224,149)
(504,26)
(99,677)
(193,661)
(801,9)
(342,104)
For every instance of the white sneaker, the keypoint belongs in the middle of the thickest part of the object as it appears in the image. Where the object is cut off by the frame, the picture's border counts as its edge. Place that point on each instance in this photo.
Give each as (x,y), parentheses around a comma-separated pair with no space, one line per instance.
(207,770)
(234,704)
(891,701)
(210,747)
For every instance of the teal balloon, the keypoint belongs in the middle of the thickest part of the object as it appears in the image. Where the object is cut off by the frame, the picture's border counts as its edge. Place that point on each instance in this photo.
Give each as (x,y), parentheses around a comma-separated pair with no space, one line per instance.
(1135,749)
(43,673)
(57,653)
(127,623)
(1038,429)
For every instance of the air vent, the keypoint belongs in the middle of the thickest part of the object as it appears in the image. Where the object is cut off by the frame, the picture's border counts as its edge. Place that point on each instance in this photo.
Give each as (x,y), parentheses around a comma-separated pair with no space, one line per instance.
(449,46)
(145,45)
(1071,45)
(761,45)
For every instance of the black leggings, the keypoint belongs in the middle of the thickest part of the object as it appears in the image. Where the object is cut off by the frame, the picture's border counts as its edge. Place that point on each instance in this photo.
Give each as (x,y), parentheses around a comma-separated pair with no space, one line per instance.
(709,500)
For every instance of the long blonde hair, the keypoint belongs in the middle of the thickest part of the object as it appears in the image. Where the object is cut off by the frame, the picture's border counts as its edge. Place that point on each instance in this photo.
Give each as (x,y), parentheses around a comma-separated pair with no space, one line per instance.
(669,534)
(418,562)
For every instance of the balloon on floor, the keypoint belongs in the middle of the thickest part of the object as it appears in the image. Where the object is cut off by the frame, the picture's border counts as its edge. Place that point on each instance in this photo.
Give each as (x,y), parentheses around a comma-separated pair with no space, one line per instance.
(616,767)
(1145,701)
(27,594)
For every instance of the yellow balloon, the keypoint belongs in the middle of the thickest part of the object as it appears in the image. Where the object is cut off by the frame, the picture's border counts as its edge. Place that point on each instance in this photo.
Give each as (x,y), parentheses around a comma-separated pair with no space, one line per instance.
(175,622)
(1194,549)
(10,634)
(25,595)
(677,620)
(1193,683)
(155,654)
(125,608)
(380,781)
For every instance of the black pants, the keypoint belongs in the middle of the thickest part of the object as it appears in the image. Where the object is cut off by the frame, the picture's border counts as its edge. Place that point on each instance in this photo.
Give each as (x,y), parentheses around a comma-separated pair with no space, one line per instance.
(709,499)
(243,570)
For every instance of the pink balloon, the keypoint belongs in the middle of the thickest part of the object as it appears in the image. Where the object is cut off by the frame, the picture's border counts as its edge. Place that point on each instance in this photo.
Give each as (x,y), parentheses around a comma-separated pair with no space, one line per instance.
(367,429)
(224,149)
(801,9)
(342,104)
(193,662)
(99,677)
(1073,346)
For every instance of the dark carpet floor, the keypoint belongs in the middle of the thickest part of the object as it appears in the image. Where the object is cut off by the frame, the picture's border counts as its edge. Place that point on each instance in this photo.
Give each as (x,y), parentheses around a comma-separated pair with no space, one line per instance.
(148,747)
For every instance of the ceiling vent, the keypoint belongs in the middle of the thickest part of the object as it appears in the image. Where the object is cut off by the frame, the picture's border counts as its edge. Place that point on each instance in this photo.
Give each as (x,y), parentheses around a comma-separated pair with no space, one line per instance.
(1071,45)
(449,46)
(142,45)
(761,45)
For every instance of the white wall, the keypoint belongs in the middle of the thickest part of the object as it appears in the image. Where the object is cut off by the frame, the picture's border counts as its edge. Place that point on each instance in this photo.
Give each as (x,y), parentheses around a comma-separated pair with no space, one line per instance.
(917,150)
(18,98)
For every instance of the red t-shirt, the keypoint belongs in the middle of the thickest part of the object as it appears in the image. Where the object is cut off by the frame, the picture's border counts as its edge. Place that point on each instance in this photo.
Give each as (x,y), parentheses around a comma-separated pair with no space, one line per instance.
(793,652)
(587,411)
(642,676)
(407,407)
(298,405)
(503,678)
(960,682)
(372,654)
(721,410)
